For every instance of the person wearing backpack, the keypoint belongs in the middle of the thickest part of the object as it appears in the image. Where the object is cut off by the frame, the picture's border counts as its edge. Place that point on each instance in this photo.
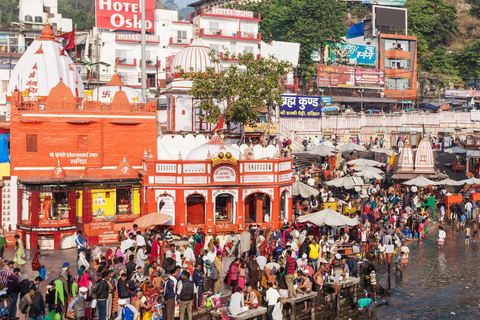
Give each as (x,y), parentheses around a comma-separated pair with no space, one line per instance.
(185,292)
(100,292)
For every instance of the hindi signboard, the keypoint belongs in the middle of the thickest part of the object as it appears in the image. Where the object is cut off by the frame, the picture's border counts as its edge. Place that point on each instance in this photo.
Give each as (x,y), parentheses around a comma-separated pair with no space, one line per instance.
(335,76)
(301,106)
(124,14)
(347,53)
(369,78)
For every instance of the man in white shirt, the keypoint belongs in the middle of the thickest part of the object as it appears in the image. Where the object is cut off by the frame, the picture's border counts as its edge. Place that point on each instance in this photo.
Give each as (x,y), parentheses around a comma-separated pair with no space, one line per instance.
(237,303)
(441,237)
(311,182)
(468,208)
(272,299)
(189,255)
(141,256)
(128,243)
(140,240)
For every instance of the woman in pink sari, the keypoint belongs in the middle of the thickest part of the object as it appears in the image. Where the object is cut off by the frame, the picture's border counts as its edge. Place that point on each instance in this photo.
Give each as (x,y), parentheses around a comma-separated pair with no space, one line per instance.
(421,229)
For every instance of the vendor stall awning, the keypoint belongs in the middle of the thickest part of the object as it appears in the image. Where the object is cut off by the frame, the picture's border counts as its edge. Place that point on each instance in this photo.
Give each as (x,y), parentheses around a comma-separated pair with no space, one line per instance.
(364,99)
(473,153)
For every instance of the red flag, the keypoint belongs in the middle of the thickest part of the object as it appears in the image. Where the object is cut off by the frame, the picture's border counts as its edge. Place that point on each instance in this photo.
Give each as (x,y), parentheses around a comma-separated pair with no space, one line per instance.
(220,123)
(71,41)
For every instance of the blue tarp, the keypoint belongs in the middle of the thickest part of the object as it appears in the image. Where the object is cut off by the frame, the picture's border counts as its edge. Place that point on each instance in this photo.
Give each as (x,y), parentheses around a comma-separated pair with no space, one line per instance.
(4,155)
(430,106)
(355,31)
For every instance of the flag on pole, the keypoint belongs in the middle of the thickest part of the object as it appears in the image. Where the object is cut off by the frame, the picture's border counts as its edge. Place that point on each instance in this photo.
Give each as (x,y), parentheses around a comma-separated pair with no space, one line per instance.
(392,159)
(220,123)
(88,93)
(70,36)
(25,93)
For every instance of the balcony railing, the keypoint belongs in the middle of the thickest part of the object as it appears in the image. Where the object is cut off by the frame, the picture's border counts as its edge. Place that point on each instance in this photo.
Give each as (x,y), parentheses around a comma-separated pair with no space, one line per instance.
(231,34)
(128,62)
(180,41)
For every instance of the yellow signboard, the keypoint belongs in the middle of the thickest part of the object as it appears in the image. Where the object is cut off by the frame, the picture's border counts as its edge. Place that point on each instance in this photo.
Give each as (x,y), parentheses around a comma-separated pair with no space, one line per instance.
(262,127)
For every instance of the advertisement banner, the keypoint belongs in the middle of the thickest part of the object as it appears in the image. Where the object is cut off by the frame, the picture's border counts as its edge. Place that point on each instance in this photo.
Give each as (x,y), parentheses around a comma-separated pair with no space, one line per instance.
(369,78)
(169,67)
(345,53)
(462,93)
(301,106)
(124,14)
(334,76)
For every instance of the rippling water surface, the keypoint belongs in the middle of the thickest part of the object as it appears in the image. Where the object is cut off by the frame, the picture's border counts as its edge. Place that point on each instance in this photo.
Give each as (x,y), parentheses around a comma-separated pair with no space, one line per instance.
(437,284)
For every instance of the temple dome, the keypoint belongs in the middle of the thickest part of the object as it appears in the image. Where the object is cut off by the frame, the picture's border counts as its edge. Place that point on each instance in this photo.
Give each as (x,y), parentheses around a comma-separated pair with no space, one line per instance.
(194,58)
(424,160)
(405,160)
(42,67)
(106,93)
(211,149)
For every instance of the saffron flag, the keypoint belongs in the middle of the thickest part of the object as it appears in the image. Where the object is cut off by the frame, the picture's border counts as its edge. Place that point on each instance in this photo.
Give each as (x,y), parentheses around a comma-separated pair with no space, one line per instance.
(25,93)
(392,159)
(88,93)
(135,99)
(220,123)
(71,41)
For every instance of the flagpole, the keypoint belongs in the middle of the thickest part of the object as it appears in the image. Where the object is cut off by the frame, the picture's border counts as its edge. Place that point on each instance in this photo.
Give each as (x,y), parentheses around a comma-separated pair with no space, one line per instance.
(76,63)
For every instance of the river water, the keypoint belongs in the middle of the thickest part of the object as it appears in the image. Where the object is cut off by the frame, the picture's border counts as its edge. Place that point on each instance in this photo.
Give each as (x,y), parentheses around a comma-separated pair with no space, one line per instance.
(437,284)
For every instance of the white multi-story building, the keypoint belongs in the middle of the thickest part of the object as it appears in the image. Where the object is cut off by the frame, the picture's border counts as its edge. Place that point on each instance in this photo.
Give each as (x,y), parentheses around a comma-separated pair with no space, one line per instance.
(37,12)
(122,49)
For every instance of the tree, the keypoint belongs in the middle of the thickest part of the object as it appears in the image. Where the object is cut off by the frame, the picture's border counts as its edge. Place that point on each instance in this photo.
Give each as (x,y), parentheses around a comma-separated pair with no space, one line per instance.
(434,22)
(245,88)
(82,12)
(308,22)
(468,61)
(9,12)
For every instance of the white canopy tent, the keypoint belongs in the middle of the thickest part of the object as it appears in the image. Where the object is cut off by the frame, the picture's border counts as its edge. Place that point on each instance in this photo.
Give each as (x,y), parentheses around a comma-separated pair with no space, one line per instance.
(471,181)
(351,147)
(300,188)
(374,169)
(420,181)
(328,217)
(383,150)
(456,150)
(345,182)
(369,173)
(450,182)
(365,162)
(322,150)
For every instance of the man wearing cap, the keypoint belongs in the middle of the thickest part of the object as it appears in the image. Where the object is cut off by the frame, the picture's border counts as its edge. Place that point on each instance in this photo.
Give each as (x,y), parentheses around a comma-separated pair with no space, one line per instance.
(78,304)
(126,311)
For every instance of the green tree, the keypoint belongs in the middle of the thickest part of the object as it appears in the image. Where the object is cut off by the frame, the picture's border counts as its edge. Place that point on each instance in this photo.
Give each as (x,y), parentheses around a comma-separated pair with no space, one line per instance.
(434,22)
(82,12)
(245,88)
(9,12)
(308,22)
(468,61)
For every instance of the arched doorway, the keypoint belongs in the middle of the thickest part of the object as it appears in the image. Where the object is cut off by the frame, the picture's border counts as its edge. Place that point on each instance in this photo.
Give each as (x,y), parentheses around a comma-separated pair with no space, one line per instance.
(257,208)
(225,209)
(195,209)
(284,205)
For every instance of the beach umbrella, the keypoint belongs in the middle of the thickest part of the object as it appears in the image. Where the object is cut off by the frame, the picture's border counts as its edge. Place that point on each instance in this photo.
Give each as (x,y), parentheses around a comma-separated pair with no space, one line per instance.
(383,150)
(153,219)
(369,173)
(345,182)
(456,150)
(328,217)
(471,181)
(420,181)
(450,182)
(365,162)
(322,150)
(300,188)
(351,147)
(374,169)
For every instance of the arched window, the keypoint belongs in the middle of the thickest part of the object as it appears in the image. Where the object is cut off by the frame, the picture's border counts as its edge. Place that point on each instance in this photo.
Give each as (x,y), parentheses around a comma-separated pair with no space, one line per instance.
(225,208)
(284,205)
(257,208)
(195,209)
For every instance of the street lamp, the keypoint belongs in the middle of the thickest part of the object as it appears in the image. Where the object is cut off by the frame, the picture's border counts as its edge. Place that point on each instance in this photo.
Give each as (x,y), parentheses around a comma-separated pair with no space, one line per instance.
(361,98)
